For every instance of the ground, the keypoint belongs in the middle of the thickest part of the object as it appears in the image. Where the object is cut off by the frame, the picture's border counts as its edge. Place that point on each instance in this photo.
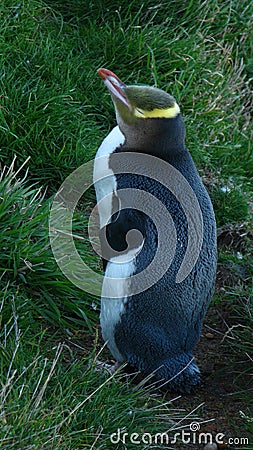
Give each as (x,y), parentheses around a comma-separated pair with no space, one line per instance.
(219,393)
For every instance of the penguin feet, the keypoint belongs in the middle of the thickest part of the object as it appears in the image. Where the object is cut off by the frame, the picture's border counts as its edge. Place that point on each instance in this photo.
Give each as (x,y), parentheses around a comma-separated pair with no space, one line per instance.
(111,368)
(180,374)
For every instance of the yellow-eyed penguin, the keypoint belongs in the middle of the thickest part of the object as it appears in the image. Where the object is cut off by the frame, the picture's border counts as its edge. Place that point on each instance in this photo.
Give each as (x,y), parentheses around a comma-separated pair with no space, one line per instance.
(153,326)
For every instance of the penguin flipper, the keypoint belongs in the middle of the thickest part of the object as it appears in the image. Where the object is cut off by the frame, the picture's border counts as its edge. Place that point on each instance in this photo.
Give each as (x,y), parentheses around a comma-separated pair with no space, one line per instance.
(117,230)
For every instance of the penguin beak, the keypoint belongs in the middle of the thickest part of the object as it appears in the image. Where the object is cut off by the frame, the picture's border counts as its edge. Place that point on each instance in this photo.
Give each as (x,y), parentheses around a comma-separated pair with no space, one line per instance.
(115,86)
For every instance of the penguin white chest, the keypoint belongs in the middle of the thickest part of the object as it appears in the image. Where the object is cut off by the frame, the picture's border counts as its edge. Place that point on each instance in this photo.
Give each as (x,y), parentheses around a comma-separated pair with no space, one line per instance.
(116,287)
(105,181)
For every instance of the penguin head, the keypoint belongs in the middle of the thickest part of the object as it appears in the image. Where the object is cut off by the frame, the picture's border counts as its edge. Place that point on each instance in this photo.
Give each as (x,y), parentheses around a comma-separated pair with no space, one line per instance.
(140,109)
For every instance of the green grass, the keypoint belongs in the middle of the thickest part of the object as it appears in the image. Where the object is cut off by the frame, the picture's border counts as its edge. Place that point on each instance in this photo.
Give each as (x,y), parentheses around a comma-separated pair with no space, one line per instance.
(26,258)
(55,111)
(51,399)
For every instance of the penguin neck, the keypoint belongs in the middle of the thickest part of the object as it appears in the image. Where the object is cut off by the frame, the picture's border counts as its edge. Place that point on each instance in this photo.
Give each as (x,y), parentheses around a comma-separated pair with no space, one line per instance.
(163,138)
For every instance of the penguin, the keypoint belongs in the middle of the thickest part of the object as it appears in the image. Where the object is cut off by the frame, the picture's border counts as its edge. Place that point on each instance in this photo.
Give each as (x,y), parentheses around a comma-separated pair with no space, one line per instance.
(154,329)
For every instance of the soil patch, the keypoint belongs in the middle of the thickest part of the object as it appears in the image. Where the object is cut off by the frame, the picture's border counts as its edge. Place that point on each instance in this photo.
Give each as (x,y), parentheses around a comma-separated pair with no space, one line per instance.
(225,383)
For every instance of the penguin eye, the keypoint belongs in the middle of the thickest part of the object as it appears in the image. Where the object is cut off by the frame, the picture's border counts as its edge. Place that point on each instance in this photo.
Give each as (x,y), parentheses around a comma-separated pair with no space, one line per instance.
(139,111)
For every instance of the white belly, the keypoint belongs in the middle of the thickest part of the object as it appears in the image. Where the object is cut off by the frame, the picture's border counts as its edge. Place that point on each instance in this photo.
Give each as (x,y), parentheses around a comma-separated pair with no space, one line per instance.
(115,294)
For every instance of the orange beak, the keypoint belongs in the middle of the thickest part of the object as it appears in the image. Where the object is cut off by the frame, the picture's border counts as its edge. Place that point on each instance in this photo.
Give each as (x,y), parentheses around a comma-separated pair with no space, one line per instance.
(115,85)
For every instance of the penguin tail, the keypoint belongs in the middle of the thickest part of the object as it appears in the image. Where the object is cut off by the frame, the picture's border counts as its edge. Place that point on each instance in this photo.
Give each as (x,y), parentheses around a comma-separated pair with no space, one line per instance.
(178,374)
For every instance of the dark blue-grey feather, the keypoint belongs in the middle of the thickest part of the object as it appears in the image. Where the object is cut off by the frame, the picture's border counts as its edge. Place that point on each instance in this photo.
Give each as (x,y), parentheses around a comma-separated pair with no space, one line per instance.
(161,326)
